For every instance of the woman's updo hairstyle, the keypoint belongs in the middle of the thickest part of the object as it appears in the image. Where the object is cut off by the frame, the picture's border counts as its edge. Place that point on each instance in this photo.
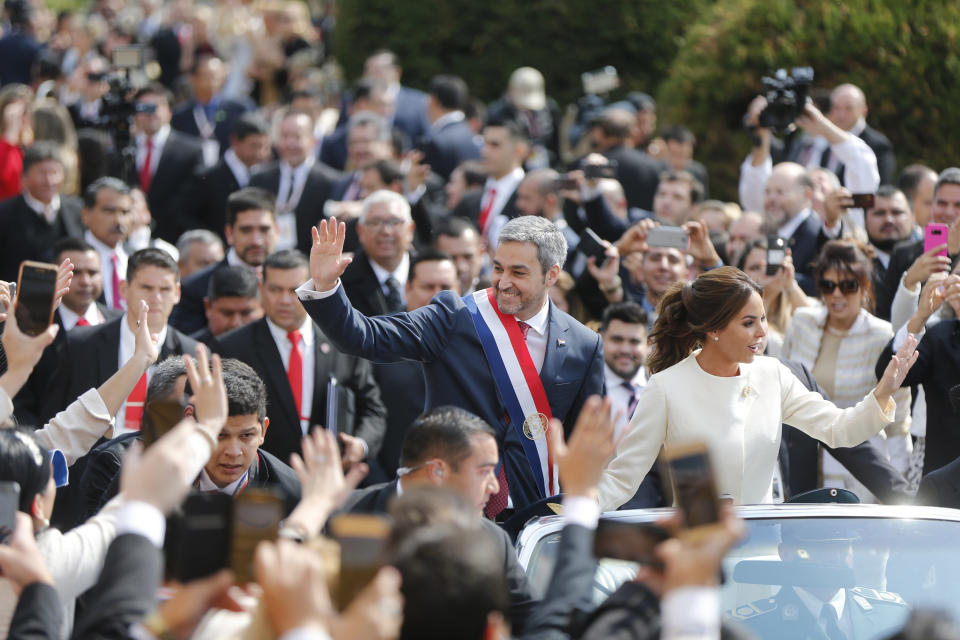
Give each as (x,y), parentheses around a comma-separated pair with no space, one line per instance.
(689,310)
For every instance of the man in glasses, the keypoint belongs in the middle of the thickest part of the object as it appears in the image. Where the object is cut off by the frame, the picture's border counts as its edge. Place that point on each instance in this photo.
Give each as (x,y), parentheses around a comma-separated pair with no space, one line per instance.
(376,278)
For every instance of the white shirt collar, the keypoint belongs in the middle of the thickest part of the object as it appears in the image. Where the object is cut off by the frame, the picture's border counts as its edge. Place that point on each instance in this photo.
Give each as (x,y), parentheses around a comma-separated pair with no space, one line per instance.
(41,209)
(101,247)
(69,318)
(240,171)
(280,335)
(159,139)
(639,379)
(301,169)
(508,183)
(234,260)
(447,118)
(790,226)
(539,322)
(814,604)
(204,483)
(400,273)
(858,127)
(128,341)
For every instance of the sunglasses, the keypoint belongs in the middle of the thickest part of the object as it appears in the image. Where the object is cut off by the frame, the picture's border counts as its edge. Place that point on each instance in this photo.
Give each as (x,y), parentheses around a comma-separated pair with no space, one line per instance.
(846,286)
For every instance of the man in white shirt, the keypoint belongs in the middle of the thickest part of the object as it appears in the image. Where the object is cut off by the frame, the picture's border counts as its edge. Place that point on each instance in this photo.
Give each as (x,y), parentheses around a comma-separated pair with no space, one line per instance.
(505,146)
(625,349)
(106,215)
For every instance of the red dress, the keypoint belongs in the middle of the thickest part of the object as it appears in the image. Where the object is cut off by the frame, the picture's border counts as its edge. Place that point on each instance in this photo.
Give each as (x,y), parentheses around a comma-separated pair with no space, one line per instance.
(11,166)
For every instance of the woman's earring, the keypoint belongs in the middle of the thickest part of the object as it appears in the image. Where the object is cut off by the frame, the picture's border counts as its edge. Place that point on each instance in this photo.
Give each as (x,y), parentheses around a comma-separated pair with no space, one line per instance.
(716,338)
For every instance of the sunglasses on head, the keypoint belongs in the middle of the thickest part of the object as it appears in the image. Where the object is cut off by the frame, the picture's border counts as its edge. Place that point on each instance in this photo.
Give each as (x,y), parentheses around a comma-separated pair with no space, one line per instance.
(846,286)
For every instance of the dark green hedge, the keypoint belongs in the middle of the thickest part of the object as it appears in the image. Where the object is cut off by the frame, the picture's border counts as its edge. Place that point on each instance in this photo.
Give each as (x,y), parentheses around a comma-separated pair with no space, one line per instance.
(483,41)
(902,54)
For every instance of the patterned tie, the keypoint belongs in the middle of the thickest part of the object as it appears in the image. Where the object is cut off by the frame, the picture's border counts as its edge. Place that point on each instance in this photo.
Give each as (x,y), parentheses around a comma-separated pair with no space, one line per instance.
(82,322)
(632,402)
(145,176)
(295,371)
(394,301)
(134,413)
(115,264)
(485,214)
(524,329)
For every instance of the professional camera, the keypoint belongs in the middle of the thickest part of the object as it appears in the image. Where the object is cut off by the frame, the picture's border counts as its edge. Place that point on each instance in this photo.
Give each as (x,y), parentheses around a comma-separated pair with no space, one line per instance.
(117,110)
(786,97)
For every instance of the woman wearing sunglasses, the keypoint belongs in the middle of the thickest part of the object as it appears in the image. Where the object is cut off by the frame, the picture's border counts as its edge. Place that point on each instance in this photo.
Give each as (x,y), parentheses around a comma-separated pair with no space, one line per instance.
(840,343)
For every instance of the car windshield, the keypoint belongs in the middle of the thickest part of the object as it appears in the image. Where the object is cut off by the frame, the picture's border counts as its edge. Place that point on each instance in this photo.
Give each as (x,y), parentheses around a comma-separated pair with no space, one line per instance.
(871,571)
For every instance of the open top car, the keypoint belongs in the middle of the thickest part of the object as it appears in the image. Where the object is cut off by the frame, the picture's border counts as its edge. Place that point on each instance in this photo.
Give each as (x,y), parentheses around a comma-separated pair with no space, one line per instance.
(869,564)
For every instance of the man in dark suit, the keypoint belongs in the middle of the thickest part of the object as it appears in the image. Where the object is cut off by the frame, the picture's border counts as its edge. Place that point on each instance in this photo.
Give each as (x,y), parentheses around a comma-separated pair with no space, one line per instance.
(78,308)
(375,279)
(505,146)
(449,447)
(301,184)
(848,110)
(409,106)
(909,263)
(369,96)
(368,139)
(941,488)
(204,202)
(251,232)
(232,300)
(32,222)
(443,335)
(209,116)
(296,360)
(888,223)
(537,196)
(19,47)
(636,171)
(165,161)
(450,140)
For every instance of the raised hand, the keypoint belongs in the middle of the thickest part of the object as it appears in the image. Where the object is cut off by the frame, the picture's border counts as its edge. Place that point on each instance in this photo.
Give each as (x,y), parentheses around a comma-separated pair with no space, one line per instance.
(146,342)
(581,461)
(925,266)
(209,392)
(23,353)
(896,371)
(64,278)
(327,262)
(294,586)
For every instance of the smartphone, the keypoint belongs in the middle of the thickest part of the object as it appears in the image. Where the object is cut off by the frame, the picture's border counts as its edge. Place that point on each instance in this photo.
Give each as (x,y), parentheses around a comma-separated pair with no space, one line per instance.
(596,171)
(935,235)
(256,516)
(592,245)
(776,254)
(363,540)
(629,541)
(693,486)
(159,417)
(863,200)
(9,504)
(671,237)
(36,288)
(564,183)
(197,543)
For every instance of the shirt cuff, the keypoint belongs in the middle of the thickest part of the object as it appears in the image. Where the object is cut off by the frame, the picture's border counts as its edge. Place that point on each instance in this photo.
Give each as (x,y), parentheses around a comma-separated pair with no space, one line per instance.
(305,633)
(413,197)
(691,612)
(901,336)
(581,510)
(142,519)
(834,231)
(308,291)
(913,293)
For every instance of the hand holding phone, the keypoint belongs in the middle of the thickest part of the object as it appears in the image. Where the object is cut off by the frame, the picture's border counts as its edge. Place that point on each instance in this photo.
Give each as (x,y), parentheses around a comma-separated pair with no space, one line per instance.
(693,486)
(935,235)
(37,287)
(363,540)
(592,245)
(776,254)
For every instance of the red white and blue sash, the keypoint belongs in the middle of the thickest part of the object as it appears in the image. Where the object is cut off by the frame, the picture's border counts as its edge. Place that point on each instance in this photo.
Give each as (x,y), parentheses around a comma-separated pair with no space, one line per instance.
(517,381)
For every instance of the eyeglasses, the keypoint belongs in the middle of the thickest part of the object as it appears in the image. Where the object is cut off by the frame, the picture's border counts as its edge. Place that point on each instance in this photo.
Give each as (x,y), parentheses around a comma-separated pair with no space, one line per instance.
(846,286)
(389,224)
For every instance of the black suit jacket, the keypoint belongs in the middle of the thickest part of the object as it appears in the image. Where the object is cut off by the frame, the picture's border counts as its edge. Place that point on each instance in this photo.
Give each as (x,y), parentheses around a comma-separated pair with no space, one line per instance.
(189,315)
(937,369)
(28,402)
(225,117)
(404,393)
(883,149)
(804,245)
(902,258)
(799,454)
(204,201)
(25,235)
(364,412)
(941,488)
(638,173)
(376,500)
(38,614)
(362,287)
(450,145)
(333,150)
(309,209)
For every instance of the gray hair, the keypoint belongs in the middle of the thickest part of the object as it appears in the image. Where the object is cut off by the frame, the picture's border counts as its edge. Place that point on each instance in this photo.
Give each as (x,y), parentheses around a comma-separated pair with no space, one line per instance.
(551,245)
(196,235)
(369,118)
(164,379)
(950,175)
(383,196)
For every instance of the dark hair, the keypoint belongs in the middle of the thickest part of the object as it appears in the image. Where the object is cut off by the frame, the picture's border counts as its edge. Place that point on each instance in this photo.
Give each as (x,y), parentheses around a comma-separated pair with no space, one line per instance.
(696,187)
(151,257)
(366,87)
(678,133)
(629,312)
(449,91)
(846,257)
(200,59)
(154,89)
(24,461)
(759,243)
(910,178)
(453,578)
(518,132)
(888,191)
(106,182)
(475,108)
(232,282)
(454,227)
(428,505)
(641,101)
(427,255)
(388,170)
(70,244)
(473,173)
(950,175)
(284,260)
(249,199)
(443,432)
(613,123)
(249,124)
(688,310)
(41,151)
(246,393)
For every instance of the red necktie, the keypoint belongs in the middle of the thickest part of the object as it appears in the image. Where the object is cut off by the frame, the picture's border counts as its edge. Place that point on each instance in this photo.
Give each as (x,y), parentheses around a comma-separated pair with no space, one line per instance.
(115,264)
(485,214)
(295,370)
(145,175)
(134,413)
(82,322)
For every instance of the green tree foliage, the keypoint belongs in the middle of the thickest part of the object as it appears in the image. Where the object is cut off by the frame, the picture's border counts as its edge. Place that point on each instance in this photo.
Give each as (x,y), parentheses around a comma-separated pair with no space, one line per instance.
(484,41)
(902,54)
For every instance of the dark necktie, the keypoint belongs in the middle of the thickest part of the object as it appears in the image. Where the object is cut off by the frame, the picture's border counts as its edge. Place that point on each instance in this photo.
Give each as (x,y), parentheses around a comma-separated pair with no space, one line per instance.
(394,302)
(831,624)
(632,402)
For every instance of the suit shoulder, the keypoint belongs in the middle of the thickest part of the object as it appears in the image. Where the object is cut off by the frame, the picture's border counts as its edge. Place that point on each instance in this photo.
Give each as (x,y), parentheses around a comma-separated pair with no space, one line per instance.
(866,598)
(187,344)
(238,338)
(755,610)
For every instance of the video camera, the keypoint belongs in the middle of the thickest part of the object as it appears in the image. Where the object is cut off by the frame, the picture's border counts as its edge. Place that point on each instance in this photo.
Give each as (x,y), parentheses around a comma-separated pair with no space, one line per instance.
(786,97)
(117,110)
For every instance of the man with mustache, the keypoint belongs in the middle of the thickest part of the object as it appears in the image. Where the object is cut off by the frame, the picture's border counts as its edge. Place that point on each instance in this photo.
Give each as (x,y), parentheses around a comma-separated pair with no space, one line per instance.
(107,208)
(506,354)
(888,222)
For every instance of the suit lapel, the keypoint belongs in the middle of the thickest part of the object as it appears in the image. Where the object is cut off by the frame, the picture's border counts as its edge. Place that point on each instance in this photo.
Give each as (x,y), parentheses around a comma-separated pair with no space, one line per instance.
(108,353)
(322,368)
(556,351)
(266,350)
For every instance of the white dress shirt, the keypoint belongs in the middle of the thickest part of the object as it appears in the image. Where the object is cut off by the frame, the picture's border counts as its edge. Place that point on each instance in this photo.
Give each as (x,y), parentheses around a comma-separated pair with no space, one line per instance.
(292,182)
(69,318)
(239,170)
(159,140)
(204,483)
(619,395)
(128,346)
(106,266)
(306,353)
(505,187)
(815,605)
(788,228)
(46,211)
(400,274)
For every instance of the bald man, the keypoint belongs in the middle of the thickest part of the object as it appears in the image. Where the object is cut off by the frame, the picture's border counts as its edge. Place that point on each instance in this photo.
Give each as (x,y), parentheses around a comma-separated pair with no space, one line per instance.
(848,110)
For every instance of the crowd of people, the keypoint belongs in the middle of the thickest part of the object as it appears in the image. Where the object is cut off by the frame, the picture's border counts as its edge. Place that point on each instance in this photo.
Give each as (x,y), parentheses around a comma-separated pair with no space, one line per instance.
(411,305)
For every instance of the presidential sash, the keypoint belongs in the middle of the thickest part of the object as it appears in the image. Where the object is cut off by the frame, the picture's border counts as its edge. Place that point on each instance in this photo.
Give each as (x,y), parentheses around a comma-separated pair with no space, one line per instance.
(519,384)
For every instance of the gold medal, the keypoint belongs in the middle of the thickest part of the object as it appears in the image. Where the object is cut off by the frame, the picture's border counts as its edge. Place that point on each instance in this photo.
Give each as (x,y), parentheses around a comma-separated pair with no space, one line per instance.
(535,426)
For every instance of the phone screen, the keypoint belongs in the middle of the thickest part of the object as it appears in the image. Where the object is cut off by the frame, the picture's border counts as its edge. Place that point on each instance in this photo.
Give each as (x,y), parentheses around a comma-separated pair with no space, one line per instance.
(669,237)
(9,502)
(35,290)
(694,489)
(256,516)
(629,541)
(363,540)
(776,254)
(159,417)
(197,543)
